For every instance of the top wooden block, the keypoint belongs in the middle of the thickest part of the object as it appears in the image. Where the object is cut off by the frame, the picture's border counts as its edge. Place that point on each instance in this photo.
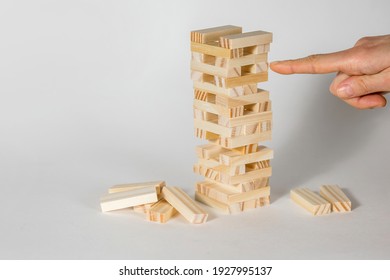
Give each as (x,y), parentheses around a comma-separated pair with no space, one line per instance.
(243,40)
(213,34)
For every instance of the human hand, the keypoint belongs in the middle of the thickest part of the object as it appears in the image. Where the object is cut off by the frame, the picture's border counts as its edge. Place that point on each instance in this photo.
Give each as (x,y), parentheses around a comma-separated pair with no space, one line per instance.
(363,71)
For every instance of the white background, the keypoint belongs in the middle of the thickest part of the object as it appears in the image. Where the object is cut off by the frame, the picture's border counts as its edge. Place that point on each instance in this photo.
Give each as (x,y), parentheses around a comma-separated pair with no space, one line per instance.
(97,93)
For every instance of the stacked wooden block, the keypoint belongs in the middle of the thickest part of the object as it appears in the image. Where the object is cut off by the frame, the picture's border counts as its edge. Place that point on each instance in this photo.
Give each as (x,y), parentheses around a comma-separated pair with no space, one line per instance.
(234,115)
(157,201)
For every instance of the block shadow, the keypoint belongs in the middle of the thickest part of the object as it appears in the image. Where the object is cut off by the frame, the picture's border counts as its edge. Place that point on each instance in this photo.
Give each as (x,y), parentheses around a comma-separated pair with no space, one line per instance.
(328,132)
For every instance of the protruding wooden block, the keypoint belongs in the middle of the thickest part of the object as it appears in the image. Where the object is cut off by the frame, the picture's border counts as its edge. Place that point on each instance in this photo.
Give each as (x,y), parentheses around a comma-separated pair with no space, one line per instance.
(311,201)
(126,199)
(160,212)
(340,202)
(128,187)
(185,205)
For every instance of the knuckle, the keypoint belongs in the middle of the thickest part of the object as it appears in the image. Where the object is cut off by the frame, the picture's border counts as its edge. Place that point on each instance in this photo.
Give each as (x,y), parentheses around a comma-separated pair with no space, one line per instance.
(363,40)
(313,62)
(362,86)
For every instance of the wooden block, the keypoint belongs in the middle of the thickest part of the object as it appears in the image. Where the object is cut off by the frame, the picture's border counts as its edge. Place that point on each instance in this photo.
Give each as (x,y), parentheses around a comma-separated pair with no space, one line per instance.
(185,205)
(208,151)
(233,158)
(221,174)
(246,119)
(160,212)
(215,70)
(239,141)
(311,201)
(213,50)
(214,33)
(246,79)
(143,208)
(332,193)
(259,49)
(243,186)
(229,170)
(226,195)
(234,207)
(126,199)
(246,39)
(127,187)
(239,91)
(239,130)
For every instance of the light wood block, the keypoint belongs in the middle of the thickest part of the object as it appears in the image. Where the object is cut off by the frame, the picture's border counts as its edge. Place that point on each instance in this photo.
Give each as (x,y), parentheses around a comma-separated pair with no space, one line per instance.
(246,79)
(225,195)
(311,201)
(184,205)
(126,199)
(243,186)
(241,130)
(233,158)
(248,118)
(215,70)
(213,50)
(239,91)
(160,212)
(143,208)
(239,141)
(246,39)
(234,207)
(128,187)
(207,151)
(221,174)
(339,201)
(214,33)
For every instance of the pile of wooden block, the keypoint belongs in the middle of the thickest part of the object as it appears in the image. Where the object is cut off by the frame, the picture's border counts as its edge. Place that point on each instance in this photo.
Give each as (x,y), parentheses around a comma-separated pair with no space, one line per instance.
(234,115)
(330,199)
(155,199)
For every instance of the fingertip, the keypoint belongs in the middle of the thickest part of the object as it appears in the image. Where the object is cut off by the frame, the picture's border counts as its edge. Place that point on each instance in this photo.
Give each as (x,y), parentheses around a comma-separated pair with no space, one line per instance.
(280,67)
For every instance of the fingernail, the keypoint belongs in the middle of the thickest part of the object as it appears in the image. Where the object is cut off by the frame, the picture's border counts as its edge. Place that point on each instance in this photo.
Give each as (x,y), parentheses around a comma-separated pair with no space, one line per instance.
(345,91)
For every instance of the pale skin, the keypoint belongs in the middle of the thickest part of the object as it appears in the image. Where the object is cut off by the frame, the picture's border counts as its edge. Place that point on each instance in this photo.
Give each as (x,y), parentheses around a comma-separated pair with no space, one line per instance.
(363,71)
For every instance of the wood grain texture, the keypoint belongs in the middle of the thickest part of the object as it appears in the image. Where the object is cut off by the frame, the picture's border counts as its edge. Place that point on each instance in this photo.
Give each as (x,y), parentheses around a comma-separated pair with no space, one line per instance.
(311,201)
(126,199)
(160,212)
(185,205)
(214,33)
(234,207)
(246,39)
(132,186)
(333,193)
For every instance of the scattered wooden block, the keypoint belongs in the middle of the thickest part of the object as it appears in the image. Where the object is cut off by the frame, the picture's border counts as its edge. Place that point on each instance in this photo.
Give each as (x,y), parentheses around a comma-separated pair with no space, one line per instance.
(127,187)
(184,205)
(143,208)
(339,201)
(311,201)
(126,199)
(160,212)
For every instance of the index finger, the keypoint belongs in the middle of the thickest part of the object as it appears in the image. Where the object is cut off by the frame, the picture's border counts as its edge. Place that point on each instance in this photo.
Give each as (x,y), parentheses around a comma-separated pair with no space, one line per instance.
(313,64)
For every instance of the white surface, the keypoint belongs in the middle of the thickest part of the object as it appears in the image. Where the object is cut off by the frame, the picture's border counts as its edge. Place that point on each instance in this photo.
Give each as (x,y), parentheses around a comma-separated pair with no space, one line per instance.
(97,93)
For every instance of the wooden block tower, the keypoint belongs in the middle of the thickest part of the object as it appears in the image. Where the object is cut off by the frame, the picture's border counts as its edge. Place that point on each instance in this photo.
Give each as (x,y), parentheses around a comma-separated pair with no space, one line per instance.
(234,115)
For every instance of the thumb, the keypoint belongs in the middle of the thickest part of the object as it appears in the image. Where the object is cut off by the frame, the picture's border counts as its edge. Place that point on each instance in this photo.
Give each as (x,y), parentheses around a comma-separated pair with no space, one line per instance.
(356,86)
